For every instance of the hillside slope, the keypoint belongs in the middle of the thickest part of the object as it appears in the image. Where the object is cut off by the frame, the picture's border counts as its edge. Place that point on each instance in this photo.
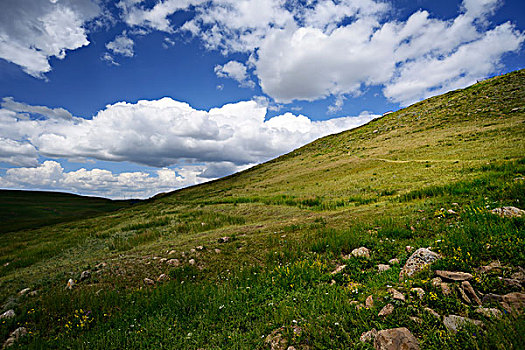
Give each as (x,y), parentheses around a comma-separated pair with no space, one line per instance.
(427,175)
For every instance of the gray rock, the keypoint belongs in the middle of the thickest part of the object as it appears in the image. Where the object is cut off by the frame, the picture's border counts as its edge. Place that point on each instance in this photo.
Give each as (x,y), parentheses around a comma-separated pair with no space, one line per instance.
(338,269)
(454,275)
(395,339)
(394,261)
(173,262)
(463,295)
(433,313)
(85,275)
(383,267)
(470,291)
(436,281)
(369,302)
(163,277)
(513,302)
(508,212)
(386,310)
(489,312)
(362,252)
(420,259)
(14,336)
(419,292)
(8,314)
(24,291)
(191,261)
(453,322)
(224,239)
(396,295)
(149,281)
(369,336)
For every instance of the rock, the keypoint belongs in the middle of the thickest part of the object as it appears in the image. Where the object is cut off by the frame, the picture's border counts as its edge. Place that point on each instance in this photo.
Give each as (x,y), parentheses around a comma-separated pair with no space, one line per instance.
(192,250)
(409,248)
(277,341)
(224,239)
(454,276)
(85,275)
(416,320)
(395,339)
(338,269)
(149,281)
(508,212)
(361,252)
(162,260)
(489,312)
(100,265)
(420,259)
(492,266)
(386,310)
(33,293)
(394,261)
(452,212)
(199,248)
(445,289)
(14,336)
(396,295)
(436,281)
(383,267)
(513,302)
(419,292)
(163,277)
(70,284)
(463,295)
(8,314)
(433,313)
(24,291)
(191,261)
(368,336)
(217,250)
(173,262)
(470,291)
(519,275)
(454,322)
(171,252)
(369,302)
(510,282)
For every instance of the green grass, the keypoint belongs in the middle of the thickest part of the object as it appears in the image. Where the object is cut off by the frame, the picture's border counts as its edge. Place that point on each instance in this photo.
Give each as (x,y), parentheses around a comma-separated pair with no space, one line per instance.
(292,221)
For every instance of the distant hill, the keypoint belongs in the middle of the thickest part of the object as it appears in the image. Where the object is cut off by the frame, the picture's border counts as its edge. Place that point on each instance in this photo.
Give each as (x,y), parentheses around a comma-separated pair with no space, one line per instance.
(32,209)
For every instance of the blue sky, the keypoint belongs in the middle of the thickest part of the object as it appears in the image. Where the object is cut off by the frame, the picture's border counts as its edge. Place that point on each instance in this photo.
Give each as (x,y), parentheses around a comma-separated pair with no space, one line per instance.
(130,98)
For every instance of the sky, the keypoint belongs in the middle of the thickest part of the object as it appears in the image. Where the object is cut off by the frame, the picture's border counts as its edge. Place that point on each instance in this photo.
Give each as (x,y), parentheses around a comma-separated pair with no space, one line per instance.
(130,98)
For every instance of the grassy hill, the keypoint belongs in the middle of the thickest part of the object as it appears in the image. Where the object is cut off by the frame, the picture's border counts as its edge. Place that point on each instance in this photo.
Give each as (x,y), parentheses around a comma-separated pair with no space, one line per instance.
(425,176)
(33,209)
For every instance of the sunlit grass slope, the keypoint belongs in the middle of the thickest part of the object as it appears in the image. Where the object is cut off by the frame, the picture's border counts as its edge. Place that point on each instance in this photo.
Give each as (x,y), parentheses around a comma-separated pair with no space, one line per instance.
(384,185)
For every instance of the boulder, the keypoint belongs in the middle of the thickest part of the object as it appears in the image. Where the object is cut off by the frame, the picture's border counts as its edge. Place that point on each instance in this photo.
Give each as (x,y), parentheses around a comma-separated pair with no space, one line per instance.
(173,262)
(163,277)
(24,291)
(489,312)
(386,310)
(470,291)
(445,289)
(394,261)
(224,239)
(453,322)
(454,275)
(8,314)
(338,269)
(149,281)
(433,313)
(383,267)
(191,261)
(508,212)
(395,339)
(420,259)
(362,252)
(14,336)
(369,302)
(495,265)
(419,292)
(396,295)
(513,302)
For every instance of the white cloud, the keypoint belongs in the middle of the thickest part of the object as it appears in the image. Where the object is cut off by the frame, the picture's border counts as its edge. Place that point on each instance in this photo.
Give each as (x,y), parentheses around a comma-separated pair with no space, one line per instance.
(18,153)
(31,32)
(109,59)
(51,176)
(60,113)
(122,45)
(235,70)
(166,132)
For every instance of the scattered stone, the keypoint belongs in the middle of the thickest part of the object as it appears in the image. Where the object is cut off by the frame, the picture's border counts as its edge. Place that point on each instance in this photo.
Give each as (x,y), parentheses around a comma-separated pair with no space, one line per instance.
(508,212)
(419,292)
(455,204)
(519,275)
(338,269)
(464,295)
(452,212)
(453,322)
(436,281)
(467,287)
(492,266)
(454,276)
(33,293)
(100,265)
(394,261)
(420,259)
(70,284)
(162,260)
(171,252)
(173,262)
(489,312)
(396,295)
(163,277)
(8,314)
(513,302)
(224,239)
(394,339)
(362,252)
(149,281)
(217,250)
(369,336)
(383,267)
(386,310)
(445,289)
(191,261)
(24,291)
(277,341)
(409,248)
(85,275)
(14,336)
(6,264)
(510,282)
(192,250)
(200,247)
(416,320)
(433,313)
(369,302)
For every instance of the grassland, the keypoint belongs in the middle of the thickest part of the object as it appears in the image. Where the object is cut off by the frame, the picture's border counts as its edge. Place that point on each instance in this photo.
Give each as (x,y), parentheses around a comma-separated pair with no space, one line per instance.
(291,221)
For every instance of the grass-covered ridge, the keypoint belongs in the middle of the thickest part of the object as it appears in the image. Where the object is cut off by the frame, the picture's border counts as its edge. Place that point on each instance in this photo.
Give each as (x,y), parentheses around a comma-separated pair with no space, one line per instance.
(291,222)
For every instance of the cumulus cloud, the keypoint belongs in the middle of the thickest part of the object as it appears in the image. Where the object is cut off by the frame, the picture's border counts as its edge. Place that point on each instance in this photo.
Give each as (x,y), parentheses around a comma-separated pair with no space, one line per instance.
(51,176)
(17,153)
(235,70)
(10,104)
(122,45)
(31,32)
(166,132)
